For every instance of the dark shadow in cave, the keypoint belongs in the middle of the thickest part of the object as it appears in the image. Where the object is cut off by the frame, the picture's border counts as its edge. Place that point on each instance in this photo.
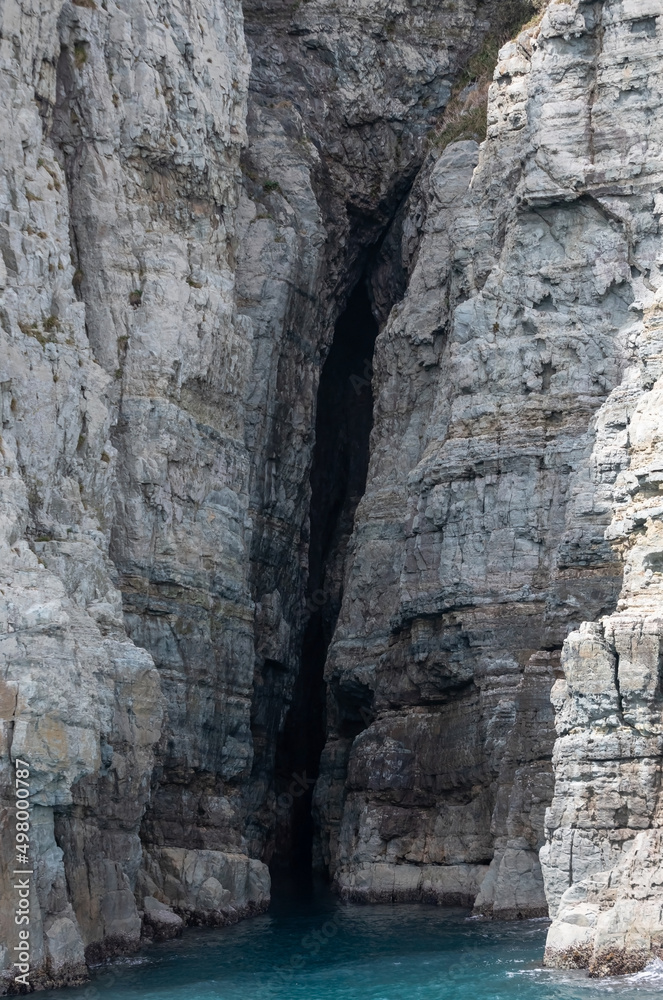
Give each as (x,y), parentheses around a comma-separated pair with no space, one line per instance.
(344,418)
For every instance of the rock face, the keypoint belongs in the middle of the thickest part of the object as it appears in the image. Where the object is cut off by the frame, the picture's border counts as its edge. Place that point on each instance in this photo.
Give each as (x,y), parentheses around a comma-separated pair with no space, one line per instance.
(477,544)
(517,412)
(80,702)
(208,213)
(603,828)
(207,887)
(602,859)
(159,922)
(161,353)
(342,95)
(120,152)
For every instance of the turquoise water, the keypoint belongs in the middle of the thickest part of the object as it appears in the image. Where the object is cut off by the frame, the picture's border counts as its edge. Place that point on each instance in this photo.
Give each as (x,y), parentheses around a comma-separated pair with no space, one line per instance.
(310,947)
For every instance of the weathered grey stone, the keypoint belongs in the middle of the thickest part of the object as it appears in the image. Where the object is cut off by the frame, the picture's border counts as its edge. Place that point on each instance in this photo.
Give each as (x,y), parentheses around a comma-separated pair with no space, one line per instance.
(342,97)
(459,575)
(448,885)
(502,423)
(604,825)
(177,242)
(208,887)
(80,702)
(160,923)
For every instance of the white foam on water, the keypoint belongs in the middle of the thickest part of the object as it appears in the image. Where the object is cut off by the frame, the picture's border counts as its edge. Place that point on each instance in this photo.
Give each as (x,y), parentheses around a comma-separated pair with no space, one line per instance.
(124,961)
(652,973)
(557,977)
(650,976)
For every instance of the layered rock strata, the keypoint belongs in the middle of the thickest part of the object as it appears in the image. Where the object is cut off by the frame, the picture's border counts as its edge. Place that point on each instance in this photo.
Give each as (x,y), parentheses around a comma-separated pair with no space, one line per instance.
(120,152)
(342,97)
(604,827)
(154,412)
(481,540)
(150,127)
(168,303)
(81,703)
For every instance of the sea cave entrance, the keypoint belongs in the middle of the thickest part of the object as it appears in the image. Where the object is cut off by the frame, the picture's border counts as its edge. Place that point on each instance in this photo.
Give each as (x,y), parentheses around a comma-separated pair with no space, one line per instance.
(344,418)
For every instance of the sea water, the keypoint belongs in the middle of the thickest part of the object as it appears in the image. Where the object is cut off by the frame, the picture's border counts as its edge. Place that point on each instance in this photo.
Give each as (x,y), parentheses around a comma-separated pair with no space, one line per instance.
(309,946)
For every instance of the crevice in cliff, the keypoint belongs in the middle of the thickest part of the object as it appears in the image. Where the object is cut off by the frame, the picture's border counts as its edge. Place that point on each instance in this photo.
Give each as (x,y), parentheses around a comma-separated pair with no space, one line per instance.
(620,702)
(344,417)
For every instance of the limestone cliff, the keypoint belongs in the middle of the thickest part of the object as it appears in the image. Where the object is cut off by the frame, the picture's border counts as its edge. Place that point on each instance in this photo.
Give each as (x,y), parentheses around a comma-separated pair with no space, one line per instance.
(122,126)
(513,481)
(241,553)
(341,102)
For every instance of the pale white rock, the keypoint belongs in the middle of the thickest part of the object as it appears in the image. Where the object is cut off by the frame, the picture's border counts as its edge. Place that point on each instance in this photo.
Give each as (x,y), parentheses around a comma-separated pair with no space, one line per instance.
(604,824)
(80,702)
(166,310)
(512,386)
(209,887)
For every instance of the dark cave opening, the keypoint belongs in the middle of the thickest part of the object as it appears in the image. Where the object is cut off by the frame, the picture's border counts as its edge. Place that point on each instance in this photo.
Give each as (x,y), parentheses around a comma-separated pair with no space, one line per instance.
(344,418)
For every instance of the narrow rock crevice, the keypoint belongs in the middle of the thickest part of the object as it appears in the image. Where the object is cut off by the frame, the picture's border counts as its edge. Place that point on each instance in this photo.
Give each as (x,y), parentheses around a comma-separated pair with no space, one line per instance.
(344,419)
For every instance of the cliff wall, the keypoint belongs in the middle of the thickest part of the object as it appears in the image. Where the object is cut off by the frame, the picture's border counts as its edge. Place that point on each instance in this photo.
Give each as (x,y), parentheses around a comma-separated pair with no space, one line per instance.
(121,139)
(246,551)
(512,498)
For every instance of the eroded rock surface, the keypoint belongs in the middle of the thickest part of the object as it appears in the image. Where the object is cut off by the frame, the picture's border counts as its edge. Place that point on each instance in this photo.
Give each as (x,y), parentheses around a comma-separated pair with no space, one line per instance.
(602,858)
(504,386)
(161,356)
(120,152)
(180,246)
(342,96)
(207,887)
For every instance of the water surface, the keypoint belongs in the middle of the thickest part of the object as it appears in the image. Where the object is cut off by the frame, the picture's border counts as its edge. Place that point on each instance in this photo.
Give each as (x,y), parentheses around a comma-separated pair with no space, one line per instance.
(310,947)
